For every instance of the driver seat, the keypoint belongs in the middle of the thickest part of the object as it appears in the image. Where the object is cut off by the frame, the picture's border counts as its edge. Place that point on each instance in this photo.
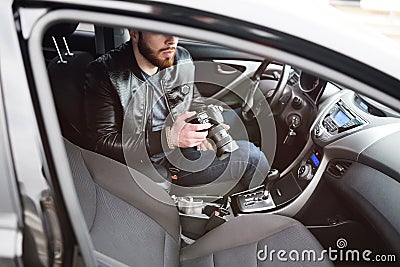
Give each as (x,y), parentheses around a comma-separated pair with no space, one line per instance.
(67,77)
(134,222)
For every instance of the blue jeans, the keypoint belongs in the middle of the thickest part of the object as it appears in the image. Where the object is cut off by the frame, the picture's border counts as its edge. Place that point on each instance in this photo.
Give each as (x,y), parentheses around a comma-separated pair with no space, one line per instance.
(247,164)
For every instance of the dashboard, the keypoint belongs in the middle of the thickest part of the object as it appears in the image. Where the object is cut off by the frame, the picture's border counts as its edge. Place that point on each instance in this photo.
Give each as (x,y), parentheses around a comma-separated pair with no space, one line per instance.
(346,127)
(352,144)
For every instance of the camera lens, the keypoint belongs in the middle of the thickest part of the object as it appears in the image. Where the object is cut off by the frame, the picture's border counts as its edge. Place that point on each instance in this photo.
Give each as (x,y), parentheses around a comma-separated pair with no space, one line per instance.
(223,141)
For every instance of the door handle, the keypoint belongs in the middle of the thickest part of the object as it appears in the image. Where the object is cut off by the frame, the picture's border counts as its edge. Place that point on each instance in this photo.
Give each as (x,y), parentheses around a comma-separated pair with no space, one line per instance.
(220,70)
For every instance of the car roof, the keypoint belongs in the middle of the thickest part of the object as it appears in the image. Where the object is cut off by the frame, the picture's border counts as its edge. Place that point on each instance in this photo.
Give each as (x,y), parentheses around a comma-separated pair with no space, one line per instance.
(314,21)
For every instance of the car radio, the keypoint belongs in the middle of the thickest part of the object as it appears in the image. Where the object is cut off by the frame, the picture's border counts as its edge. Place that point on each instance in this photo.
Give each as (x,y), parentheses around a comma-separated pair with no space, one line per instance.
(340,118)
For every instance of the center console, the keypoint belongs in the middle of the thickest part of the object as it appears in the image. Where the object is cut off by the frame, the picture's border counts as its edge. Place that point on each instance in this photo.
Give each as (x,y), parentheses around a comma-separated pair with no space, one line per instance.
(340,118)
(279,192)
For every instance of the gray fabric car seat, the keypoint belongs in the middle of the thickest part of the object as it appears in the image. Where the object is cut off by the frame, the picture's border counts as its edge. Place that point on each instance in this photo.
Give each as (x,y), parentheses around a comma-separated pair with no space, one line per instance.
(134,221)
(126,227)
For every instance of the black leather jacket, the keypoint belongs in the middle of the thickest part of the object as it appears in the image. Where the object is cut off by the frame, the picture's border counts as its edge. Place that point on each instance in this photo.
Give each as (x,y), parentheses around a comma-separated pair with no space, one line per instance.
(118,101)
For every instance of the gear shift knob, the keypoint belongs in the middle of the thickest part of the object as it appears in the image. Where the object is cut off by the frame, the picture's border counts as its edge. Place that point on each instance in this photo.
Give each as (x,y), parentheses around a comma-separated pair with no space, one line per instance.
(272,176)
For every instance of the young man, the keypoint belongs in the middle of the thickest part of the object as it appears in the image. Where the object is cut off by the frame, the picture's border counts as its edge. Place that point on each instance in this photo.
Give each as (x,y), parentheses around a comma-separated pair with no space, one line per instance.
(149,82)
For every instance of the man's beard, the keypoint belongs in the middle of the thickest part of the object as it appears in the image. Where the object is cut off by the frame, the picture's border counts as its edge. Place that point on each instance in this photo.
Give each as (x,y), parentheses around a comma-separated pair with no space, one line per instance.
(155,58)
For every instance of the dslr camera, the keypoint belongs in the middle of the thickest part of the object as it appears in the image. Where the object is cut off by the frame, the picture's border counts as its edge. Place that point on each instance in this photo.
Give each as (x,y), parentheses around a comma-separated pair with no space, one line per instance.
(222,140)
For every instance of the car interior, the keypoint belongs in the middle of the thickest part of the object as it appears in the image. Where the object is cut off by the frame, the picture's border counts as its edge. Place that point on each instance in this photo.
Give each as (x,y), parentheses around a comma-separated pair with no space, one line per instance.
(333,170)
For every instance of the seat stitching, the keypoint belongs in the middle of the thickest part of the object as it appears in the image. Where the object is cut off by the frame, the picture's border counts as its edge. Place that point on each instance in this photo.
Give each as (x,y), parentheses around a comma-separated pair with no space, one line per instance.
(95,192)
(165,245)
(95,210)
(256,253)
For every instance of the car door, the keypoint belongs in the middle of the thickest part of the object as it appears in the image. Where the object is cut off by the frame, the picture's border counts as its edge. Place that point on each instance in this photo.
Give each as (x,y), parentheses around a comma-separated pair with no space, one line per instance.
(11,219)
(38,229)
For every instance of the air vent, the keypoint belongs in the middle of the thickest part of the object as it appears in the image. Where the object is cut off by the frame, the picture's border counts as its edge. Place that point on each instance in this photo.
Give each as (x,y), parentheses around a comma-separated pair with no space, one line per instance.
(337,168)
(294,79)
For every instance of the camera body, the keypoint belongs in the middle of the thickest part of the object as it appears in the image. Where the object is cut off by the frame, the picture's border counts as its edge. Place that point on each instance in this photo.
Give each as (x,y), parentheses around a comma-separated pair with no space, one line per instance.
(222,140)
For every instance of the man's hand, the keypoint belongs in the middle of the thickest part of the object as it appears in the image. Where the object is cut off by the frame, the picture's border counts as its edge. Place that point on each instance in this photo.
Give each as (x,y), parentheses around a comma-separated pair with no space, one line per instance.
(207,145)
(185,134)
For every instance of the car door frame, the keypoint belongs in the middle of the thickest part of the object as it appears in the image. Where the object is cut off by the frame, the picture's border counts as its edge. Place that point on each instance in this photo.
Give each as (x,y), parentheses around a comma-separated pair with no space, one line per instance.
(28,155)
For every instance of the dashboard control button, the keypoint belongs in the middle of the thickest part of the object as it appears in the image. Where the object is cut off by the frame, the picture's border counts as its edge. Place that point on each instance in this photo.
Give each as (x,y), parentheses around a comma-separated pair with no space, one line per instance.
(278,192)
(305,172)
(302,169)
(297,102)
(317,131)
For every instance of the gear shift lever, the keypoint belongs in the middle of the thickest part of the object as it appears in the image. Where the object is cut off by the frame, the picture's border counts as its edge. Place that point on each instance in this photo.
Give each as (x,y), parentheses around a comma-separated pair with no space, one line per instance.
(258,198)
(272,176)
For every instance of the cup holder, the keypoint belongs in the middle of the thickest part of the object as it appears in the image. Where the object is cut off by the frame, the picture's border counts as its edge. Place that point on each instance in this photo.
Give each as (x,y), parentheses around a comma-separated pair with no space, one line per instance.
(196,205)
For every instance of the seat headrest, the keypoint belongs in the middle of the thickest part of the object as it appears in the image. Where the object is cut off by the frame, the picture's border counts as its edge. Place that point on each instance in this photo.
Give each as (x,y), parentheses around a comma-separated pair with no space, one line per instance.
(67,82)
(62,29)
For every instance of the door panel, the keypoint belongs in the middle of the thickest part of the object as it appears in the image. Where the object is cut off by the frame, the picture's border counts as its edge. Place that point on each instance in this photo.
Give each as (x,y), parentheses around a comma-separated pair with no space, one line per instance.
(212,78)
(201,51)
(219,70)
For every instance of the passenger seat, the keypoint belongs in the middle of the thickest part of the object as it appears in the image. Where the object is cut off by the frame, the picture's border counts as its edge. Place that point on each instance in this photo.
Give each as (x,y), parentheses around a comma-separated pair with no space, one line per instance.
(135,222)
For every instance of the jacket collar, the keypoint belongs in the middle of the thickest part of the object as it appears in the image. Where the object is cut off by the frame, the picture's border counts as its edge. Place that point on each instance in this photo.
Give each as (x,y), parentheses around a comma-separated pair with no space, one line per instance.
(132,63)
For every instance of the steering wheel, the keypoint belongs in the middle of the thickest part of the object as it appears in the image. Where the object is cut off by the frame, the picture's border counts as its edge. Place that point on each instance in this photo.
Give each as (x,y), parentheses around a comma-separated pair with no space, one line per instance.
(250,110)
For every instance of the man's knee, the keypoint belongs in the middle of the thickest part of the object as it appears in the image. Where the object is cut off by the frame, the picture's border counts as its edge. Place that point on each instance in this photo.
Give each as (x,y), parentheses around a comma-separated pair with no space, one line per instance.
(251,153)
